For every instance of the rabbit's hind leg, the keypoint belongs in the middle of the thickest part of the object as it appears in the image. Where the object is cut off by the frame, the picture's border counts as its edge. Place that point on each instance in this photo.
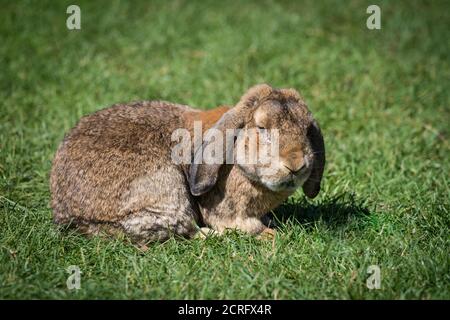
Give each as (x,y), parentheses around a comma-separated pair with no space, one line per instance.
(147,226)
(92,228)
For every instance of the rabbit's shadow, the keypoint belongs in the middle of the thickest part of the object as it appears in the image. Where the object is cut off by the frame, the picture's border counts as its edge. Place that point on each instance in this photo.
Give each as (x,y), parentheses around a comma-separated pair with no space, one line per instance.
(333,211)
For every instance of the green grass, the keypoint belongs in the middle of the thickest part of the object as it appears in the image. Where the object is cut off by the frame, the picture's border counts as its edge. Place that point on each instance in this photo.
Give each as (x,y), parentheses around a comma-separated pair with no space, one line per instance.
(381,97)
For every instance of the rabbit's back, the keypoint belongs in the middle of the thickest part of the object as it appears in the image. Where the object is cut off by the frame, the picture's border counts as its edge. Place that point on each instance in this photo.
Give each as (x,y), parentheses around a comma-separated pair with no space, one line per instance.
(109,154)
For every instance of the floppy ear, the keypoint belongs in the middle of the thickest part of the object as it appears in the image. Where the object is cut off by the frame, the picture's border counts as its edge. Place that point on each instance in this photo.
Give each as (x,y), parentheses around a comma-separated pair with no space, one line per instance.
(202,177)
(312,186)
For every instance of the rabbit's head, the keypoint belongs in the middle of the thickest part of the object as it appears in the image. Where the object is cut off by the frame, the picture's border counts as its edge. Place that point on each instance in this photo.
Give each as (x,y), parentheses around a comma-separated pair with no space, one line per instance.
(269,117)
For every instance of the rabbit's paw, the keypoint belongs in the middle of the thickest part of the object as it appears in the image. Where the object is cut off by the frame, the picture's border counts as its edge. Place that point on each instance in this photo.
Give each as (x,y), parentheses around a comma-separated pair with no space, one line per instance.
(204,233)
(267,234)
(142,247)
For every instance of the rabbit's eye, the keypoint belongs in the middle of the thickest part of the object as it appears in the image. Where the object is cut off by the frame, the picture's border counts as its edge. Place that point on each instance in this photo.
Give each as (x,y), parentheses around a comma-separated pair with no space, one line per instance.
(260,128)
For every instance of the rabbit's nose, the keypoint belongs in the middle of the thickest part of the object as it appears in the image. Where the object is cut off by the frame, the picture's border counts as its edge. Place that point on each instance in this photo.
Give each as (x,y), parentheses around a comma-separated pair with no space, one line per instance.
(293,168)
(293,160)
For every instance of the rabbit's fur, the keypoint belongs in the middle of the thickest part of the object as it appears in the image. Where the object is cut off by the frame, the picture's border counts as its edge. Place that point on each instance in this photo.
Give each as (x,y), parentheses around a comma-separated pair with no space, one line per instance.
(114,172)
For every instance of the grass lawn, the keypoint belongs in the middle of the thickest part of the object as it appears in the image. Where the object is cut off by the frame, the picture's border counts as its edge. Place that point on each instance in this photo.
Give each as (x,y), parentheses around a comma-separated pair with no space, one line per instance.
(380,96)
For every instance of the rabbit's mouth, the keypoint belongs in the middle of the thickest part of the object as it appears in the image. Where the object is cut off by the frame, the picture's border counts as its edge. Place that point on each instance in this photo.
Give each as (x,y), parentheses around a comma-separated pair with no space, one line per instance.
(289,184)
(292,184)
(277,176)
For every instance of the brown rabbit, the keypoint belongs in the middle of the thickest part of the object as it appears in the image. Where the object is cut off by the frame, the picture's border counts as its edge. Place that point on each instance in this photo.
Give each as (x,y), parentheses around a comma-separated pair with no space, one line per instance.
(115,172)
